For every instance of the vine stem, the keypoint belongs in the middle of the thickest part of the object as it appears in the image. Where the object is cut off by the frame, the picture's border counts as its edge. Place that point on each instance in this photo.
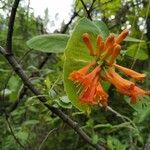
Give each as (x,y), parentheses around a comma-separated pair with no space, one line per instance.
(13,134)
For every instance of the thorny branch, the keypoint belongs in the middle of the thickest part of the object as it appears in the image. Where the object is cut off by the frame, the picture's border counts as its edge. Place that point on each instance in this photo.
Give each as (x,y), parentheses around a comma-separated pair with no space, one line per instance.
(7,53)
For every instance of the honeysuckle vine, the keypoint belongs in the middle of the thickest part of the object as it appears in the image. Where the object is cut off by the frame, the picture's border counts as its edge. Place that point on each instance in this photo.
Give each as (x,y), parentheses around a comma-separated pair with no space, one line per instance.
(9,56)
(88,79)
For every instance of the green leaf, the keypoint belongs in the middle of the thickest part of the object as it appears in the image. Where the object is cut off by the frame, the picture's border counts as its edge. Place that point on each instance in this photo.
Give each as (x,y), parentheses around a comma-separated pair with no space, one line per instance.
(64,102)
(77,56)
(49,43)
(103,28)
(22,135)
(14,87)
(114,144)
(95,138)
(64,99)
(131,39)
(142,104)
(30,122)
(136,52)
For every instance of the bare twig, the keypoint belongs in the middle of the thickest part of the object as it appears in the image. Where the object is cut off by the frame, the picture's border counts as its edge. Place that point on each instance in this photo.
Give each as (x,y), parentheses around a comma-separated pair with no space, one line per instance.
(44,140)
(87,10)
(12,133)
(91,7)
(64,29)
(124,118)
(11,27)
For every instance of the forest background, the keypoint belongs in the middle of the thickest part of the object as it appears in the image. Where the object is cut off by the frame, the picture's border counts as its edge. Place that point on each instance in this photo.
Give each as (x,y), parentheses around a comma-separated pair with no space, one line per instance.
(28,122)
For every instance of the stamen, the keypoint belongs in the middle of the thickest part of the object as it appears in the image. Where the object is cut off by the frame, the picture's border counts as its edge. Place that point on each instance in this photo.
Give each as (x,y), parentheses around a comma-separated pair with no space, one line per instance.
(87,41)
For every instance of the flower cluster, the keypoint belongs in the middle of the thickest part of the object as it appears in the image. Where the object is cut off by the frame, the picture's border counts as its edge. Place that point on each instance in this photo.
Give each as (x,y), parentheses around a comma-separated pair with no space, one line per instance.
(103,68)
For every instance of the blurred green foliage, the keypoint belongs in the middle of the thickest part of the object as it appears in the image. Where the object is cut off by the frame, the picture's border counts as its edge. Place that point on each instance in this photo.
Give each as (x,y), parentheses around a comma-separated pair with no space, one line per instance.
(33,125)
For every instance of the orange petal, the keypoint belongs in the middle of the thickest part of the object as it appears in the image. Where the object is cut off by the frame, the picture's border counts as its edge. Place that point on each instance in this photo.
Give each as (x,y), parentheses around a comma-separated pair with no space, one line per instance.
(115,53)
(99,45)
(109,51)
(123,86)
(101,95)
(88,93)
(136,92)
(131,73)
(88,79)
(78,75)
(87,41)
(109,41)
(122,36)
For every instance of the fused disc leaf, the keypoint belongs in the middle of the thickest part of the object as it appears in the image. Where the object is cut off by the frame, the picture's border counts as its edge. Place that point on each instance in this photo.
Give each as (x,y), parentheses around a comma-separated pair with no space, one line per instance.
(49,43)
(77,56)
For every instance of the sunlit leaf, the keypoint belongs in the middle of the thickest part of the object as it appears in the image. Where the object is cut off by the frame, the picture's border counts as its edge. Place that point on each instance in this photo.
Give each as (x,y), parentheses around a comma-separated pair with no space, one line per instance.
(49,43)
(103,28)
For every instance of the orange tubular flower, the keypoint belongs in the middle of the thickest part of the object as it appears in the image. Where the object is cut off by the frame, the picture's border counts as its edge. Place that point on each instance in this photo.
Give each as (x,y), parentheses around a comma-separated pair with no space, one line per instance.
(88,79)
(78,75)
(87,41)
(122,36)
(131,73)
(99,45)
(115,53)
(102,96)
(109,41)
(136,92)
(103,68)
(125,87)
(89,93)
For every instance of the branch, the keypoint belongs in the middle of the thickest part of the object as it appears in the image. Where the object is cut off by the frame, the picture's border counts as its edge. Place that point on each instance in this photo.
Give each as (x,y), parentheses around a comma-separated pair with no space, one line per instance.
(11,27)
(46,137)
(87,11)
(64,29)
(12,132)
(24,89)
(124,118)
(91,8)
(19,71)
